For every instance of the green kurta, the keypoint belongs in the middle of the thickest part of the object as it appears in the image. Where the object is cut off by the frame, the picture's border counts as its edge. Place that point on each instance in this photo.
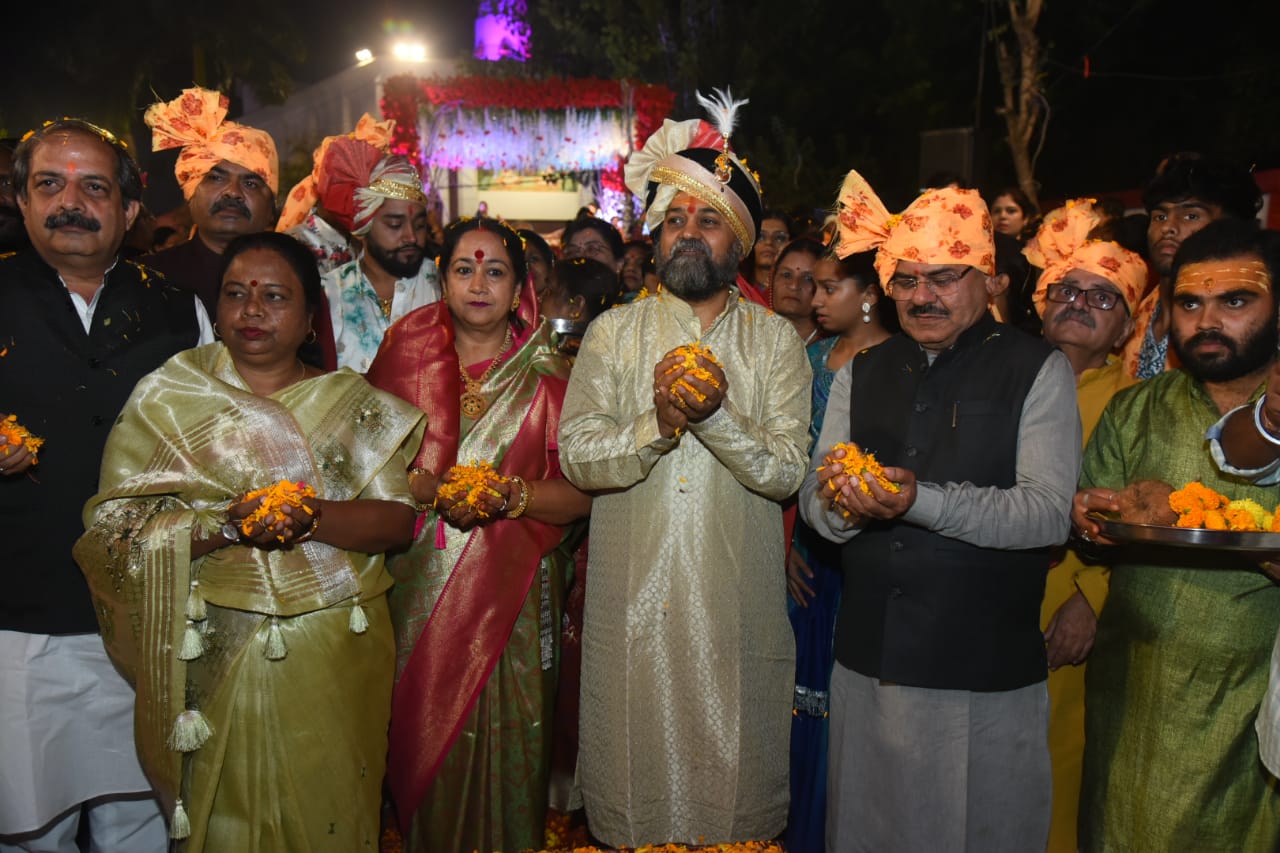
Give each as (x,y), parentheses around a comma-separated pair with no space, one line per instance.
(688,657)
(1179,666)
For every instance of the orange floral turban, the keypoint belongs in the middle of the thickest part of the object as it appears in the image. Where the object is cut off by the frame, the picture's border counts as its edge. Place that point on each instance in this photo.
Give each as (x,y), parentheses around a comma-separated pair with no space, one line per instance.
(1062,244)
(195,123)
(944,226)
(340,165)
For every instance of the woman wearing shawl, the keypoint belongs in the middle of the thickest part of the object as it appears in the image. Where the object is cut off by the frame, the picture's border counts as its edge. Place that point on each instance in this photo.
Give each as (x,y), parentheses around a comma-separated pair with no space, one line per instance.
(477,599)
(260,644)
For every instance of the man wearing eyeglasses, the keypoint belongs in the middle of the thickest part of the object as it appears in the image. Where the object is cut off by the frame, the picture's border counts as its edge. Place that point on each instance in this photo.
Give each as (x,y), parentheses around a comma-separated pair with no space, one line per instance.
(938,700)
(1085,296)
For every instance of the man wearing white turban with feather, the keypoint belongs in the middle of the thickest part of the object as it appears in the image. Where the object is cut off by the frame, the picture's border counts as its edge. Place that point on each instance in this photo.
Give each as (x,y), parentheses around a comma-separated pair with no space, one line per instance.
(688,657)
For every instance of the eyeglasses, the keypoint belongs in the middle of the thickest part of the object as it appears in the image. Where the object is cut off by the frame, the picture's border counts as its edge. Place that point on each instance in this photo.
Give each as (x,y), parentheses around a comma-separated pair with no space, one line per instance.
(1096,297)
(578,250)
(901,288)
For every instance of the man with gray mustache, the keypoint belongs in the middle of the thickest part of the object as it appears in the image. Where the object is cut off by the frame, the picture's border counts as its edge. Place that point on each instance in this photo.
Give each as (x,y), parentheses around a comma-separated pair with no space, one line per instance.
(938,704)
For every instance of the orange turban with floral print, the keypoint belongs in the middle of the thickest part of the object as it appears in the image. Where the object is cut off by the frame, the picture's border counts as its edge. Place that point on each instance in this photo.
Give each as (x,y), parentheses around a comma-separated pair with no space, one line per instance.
(943,226)
(1062,244)
(195,122)
(341,165)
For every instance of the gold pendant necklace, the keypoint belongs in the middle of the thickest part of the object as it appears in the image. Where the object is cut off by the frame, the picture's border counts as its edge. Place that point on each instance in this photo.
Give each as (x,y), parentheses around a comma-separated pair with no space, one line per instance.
(472,404)
(385,304)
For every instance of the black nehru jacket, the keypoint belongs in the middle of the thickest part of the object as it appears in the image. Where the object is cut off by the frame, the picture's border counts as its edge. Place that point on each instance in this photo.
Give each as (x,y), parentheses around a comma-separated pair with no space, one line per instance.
(68,387)
(922,609)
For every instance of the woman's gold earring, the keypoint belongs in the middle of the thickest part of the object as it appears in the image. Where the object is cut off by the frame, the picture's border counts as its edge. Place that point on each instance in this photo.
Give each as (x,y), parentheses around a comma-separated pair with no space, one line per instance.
(515,303)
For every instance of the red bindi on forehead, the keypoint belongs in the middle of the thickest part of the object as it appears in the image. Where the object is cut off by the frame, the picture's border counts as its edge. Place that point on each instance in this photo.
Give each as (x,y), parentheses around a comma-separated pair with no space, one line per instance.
(479,254)
(253,282)
(71,167)
(692,208)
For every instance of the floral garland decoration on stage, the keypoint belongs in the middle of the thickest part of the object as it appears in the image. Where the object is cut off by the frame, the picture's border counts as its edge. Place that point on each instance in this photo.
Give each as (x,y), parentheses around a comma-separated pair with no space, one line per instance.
(517,123)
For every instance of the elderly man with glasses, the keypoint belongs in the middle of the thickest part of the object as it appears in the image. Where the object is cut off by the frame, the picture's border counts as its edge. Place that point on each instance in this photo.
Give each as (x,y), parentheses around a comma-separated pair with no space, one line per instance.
(938,701)
(1086,297)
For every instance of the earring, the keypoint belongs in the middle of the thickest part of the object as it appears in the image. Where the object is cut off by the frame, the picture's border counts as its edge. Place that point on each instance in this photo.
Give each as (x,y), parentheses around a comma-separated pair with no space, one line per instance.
(866,312)
(311,336)
(515,303)
(216,333)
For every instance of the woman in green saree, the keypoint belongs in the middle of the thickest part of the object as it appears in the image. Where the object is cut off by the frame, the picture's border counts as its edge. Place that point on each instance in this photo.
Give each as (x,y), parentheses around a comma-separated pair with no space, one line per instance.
(478,595)
(261,647)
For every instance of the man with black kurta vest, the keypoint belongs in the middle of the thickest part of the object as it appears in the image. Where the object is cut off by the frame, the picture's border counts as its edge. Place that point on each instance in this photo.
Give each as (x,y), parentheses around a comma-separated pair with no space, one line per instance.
(78,328)
(938,702)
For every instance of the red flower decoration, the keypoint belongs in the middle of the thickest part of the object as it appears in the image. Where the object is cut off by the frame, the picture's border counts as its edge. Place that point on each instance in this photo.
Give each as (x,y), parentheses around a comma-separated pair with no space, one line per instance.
(914,221)
(959,249)
(1107,262)
(962,210)
(192,105)
(1059,224)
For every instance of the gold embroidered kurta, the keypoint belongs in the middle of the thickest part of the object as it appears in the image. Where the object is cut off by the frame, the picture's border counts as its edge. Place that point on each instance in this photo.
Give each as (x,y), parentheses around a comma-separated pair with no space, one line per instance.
(688,657)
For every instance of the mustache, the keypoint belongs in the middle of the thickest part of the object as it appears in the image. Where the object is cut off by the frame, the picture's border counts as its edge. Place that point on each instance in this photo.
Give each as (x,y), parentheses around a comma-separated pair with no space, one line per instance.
(932,309)
(1075,314)
(227,202)
(1208,336)
(74,218)
(690,243)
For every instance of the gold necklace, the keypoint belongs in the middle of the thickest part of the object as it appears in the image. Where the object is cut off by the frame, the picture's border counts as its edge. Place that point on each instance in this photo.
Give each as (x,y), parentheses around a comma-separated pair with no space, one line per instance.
(472,403)
(385,304)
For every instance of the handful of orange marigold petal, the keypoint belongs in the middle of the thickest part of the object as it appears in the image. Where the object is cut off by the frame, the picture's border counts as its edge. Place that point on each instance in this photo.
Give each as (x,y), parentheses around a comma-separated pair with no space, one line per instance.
(1198,506)
(276,498)
(469,482)
(14,434)
(690,353)
(856,463)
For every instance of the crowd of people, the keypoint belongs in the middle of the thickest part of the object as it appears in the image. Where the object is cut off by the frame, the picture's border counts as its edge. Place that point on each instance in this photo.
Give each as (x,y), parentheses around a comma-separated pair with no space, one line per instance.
(333,517)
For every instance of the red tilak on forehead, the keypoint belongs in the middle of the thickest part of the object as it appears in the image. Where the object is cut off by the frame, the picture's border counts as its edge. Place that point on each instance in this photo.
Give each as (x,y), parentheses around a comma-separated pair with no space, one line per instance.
(253,282)
(479,254)
(692,208)
(71,167)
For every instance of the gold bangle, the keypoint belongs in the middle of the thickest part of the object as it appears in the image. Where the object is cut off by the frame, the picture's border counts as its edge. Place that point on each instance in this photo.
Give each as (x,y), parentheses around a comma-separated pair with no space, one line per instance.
(418,506)
(311,531)
(526,496)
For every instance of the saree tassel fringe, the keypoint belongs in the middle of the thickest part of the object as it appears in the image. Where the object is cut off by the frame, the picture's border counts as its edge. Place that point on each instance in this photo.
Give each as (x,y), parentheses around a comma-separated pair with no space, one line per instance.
(180,826)
(359,621)
(196,611)
(192,643)
(275,641)
(190,731)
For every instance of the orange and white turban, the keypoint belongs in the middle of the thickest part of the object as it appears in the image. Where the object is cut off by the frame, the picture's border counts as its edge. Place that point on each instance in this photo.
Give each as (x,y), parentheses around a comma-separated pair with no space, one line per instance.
(1062,244)
(942,226)
(393,177)
(695,157)
(195,123)
(340,165)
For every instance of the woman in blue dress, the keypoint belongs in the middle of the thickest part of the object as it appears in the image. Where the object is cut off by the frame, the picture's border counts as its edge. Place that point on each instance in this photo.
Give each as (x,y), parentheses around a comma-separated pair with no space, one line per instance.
(850,310)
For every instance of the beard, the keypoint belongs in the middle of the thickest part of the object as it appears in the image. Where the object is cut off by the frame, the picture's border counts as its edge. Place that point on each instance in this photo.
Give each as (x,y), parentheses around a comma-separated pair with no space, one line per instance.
(393,261)
(696,277)
(1240,359)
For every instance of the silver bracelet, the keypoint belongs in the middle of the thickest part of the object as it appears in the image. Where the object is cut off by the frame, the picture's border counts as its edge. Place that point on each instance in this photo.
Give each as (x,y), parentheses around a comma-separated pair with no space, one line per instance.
(1257,422)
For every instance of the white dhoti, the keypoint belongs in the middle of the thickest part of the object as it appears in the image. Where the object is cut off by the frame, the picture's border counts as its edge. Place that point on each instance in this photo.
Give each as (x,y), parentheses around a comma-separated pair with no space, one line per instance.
(66,731)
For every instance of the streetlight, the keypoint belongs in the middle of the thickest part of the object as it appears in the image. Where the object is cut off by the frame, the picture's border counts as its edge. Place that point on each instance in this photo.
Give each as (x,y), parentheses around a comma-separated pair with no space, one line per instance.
(364,56)
(409,51)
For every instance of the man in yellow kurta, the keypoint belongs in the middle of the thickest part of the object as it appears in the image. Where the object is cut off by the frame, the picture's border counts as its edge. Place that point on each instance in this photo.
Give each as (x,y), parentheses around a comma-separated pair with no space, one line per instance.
(688,658)
(1085,296)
